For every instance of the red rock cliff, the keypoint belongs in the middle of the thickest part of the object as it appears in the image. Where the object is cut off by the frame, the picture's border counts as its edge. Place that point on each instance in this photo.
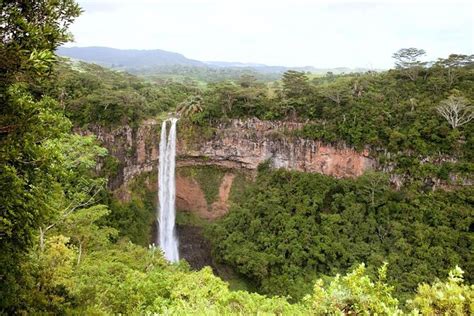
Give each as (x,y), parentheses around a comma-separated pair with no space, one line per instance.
(248,143)
(237,144)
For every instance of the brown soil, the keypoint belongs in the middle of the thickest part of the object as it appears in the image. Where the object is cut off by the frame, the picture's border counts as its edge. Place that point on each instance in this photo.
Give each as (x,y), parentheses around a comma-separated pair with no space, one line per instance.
(190,197)
(221,207)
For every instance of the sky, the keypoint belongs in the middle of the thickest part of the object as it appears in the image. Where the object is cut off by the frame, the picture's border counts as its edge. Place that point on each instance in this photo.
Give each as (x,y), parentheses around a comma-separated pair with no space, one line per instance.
(323,34)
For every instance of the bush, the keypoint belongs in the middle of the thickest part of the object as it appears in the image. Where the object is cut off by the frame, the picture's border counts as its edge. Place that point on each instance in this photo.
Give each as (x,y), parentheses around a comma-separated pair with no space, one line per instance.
(452,297)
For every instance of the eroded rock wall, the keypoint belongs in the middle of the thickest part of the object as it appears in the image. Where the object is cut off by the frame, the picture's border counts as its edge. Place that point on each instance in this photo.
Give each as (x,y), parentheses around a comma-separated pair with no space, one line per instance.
(248,143)
(238,144)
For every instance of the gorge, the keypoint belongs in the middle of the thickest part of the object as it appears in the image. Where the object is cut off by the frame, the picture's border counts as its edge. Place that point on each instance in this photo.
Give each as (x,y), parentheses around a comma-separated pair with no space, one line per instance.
(231,155)
(214,166)
(235,145)
(233,151)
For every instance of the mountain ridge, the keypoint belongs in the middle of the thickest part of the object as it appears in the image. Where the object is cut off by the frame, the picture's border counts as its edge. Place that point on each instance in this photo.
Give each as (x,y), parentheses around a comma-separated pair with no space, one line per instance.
(129,58)
(145,59)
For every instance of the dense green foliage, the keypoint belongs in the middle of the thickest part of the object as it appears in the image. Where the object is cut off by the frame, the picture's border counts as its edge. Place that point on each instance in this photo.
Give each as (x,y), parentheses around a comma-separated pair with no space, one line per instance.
(201,75)
(91,94)
(135,217)
(132,280)
(449,298)
(354,293)
(34,164)
(396,117)
(123,278)
(293,227)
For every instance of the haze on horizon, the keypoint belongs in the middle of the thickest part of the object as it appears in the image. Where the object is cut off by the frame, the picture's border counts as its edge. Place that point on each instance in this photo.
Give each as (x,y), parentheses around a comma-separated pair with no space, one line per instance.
(323,34)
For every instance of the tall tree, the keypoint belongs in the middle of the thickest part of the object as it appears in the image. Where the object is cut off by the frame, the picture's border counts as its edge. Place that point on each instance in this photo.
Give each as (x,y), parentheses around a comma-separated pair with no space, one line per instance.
(29,33)
(295,84)
(456,111)
(190,106)
(451,64)
(407,59)
(337,91)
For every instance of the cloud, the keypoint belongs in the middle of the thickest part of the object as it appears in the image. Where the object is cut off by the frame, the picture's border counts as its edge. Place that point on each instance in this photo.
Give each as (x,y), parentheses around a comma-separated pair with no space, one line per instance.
(91,7)
(281,32)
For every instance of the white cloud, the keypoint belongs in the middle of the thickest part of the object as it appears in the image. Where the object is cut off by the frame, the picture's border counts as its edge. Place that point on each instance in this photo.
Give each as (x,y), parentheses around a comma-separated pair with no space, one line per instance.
(282,32)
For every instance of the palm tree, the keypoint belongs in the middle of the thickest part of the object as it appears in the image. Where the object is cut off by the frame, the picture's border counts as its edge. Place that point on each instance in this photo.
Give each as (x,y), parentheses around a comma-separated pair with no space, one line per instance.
(192,105)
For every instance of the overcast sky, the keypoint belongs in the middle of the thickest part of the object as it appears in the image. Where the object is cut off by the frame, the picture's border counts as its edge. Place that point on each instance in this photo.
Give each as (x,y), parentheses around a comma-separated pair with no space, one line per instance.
(280,32)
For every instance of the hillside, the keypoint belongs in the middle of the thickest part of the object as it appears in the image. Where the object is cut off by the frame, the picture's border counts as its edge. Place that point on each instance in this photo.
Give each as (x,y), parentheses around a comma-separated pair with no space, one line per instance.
(160,63)
(129,59)
(403,158)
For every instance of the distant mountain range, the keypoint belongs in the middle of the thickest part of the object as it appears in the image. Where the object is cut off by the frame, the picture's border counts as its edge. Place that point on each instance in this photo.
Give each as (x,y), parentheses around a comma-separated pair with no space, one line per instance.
(136,60)
(127,58)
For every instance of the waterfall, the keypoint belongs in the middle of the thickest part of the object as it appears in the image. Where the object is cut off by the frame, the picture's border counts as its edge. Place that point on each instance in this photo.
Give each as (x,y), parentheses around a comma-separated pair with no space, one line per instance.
(167,192)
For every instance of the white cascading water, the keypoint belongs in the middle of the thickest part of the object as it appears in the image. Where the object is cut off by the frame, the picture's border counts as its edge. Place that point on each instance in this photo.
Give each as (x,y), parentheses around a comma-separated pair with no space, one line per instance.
(167,192)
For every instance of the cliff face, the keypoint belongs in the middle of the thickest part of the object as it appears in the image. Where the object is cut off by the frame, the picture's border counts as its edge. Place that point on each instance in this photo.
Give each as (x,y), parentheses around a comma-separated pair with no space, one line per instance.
(248,143)
(239,144)
(137,151)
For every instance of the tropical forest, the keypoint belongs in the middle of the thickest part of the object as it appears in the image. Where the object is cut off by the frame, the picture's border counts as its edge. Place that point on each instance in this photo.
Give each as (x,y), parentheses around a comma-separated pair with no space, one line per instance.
(141,182)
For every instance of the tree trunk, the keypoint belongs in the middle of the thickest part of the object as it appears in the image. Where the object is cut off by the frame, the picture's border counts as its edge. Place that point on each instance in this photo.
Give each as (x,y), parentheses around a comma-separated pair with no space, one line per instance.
(79,254)
(41,238)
